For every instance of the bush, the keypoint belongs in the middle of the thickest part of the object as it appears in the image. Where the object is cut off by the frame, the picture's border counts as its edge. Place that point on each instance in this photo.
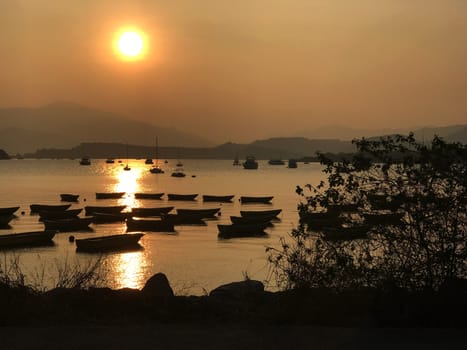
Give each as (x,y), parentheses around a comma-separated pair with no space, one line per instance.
(392,215)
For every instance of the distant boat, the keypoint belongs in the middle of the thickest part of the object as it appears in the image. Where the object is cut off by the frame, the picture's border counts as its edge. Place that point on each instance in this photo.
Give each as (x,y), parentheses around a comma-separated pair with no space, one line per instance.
(144,212)
(178,172)
(90,210)
(250,163)
(156,169)
(203,213)
(242,230)
(247,199)
(26,238)
(276,162)
(62,214)
(68,224)
(110,161)
(127,167)
(85,161)
(35,208)
(155,225)
(67,197)
(148,161)
(108,243)
(292,164)
(149,195)
(210,198)
(182,197)
(236,161)
(109,195)
(259,213)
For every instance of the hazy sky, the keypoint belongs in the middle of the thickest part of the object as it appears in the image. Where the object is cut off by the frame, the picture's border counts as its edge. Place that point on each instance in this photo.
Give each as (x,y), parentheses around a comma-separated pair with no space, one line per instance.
(238,70)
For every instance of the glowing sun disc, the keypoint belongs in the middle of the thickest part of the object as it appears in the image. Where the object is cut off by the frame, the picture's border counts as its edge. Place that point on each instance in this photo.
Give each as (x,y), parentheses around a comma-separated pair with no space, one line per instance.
(130,44)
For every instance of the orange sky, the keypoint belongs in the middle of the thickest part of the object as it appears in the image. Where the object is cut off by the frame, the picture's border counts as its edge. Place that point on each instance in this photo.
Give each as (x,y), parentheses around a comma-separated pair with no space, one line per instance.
(240,70)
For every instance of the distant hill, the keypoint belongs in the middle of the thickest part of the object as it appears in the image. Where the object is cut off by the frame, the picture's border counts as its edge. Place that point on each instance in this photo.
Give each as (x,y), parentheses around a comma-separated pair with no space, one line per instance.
(66,125)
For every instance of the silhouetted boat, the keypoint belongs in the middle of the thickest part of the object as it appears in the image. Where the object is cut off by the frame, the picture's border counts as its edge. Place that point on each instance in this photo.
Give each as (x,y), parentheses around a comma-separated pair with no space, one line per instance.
(85,161)
(276,162)
(247,220)
(292,164)
(250,163)
(90,210)
(105,218)
(148,161)
(156,225)
(68,197)
(264,200)
(182,197)
(149,195)
(236,161)
(203,213)
(107,243)
(156,170)
(35,208)
(185,219)
(8,211)
(263,213)
(26,238)
(62,214)
(5,220)
(109,195)
(69,224)
(239,230)
(346,233)
(209,198)
(157,211)
(110,161)
(178,172)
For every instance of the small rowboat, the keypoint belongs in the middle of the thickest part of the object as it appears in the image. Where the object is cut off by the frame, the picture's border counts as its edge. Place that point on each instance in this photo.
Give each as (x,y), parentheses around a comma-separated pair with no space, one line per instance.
(108,243)
(8,211)
(203,213)
(67,197)
(109,195)
(240,230)
(223,199)
(5,220)
(248,220)
(35,208)
(51,215)
(90,210)
(178,219)
(263,213)
(26,238)
(182,197)
(264,200)
(149,195)
(156,225)
(143,212)
(66,225)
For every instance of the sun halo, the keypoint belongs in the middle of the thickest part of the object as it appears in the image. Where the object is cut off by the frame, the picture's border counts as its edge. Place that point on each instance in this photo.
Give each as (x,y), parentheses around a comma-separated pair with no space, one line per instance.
(130,44)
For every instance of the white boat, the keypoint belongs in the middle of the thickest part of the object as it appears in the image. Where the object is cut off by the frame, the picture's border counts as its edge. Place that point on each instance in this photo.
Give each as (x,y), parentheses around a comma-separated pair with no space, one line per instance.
(156,169)
(250,163)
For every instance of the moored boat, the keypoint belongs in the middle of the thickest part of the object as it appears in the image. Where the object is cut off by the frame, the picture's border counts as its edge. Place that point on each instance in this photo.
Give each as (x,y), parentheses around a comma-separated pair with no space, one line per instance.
(8,211)
(292,164)
(156,225)
(178,172)
(5,220)
(182,197)
(69,224)
(224,199)
(109,195)
(110,242)
(110,161)
(85,161)
(105,218)
(149,195)
(263,213)
(26,238)
(157,211)
(346,233)
(35,208)
(156,170)
(50,215)
(250,163)
(204,213)
(68,197)
(247,220)
(90,210)
(249,199)
(148,161)
(241,230)
(185,219)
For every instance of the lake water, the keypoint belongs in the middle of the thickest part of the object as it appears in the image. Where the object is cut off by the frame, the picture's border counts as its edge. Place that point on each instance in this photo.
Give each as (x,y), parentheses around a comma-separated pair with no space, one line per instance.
(193,258)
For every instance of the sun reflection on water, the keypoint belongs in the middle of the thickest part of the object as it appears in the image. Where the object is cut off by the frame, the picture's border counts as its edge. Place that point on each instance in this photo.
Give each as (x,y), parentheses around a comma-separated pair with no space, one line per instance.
(128,182)
(129,269)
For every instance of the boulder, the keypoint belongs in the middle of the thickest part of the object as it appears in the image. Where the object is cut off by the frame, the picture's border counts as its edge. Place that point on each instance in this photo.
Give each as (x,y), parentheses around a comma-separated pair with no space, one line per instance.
(239,290)
(158,285)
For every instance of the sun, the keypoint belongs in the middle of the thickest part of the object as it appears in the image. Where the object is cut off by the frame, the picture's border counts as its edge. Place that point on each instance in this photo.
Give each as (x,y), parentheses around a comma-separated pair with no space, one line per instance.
(130,44)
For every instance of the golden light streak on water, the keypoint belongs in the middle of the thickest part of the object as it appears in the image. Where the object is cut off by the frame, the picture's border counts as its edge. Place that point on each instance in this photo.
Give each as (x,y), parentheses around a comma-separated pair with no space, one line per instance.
(129,182)
(129,269)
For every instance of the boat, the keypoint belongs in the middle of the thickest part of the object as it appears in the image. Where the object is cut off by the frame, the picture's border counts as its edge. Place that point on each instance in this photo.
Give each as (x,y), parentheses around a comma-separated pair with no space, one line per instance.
(181,197)
(35,208)
(224,199)
(276,162)
(148,161)
(109,195)
(127,167)
(68,197)
(26,238)
(113,209)
(250,163)
(236,162)
(156,170)
(264,200)
(105,218)
(62,214)
(185,219)
(241,230)
(8,211)
(292,164)
(178,172)
(157,211)
(68,224)
(85,161)
(111,242)
(110,161)
(156,225)
(247,220)
(346,233)
(263,213)
(5,220)
(149,195)
(203,213)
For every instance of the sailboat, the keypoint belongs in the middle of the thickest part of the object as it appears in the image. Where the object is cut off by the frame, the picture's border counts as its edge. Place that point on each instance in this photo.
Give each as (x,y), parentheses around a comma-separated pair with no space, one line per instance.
(126,168)
(156,169)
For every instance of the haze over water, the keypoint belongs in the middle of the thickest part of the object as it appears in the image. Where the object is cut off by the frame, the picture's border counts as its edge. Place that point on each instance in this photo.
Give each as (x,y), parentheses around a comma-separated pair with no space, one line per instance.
(193,258)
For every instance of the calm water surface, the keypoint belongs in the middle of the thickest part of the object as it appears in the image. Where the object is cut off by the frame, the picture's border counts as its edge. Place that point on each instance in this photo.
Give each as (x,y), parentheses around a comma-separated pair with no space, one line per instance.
(193,258)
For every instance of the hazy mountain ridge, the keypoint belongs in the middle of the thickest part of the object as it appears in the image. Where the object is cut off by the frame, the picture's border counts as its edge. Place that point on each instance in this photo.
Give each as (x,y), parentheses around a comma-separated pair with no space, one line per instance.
(66,125)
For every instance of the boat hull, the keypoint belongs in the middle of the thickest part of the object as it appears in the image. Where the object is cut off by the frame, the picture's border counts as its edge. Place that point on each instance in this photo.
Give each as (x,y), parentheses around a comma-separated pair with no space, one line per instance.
(68,197)
(223,199)
(149,225)
(108,243)
(27,238)
(264,200)
(109,195)
(35,208)
(143,212)
(182,197)
(149,195)
(90,210)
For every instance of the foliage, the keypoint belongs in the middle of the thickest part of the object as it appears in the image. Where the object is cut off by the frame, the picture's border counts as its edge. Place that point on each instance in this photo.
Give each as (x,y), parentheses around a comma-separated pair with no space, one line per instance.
(393,215)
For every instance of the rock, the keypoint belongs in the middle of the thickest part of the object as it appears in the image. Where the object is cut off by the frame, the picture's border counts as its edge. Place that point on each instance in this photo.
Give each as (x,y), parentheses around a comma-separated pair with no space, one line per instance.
(158,285)
(239,290)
